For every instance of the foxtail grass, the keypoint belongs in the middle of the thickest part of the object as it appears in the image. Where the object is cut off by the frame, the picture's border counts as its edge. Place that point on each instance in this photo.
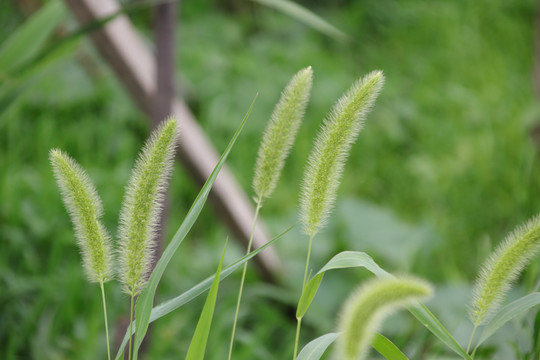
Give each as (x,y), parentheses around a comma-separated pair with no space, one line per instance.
(366,309)
(276,144)
(139,215)
(85,209)
(501,269)
(327,159)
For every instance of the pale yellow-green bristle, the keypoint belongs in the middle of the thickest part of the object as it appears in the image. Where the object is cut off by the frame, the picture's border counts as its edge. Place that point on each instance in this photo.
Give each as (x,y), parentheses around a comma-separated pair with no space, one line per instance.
(139,215)
(332,145)
(280,132)
(366,309)
(84,207)
(502,268)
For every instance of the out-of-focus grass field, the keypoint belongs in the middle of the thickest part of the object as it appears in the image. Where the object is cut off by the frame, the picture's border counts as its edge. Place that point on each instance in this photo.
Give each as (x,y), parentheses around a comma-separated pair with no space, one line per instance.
(444,168)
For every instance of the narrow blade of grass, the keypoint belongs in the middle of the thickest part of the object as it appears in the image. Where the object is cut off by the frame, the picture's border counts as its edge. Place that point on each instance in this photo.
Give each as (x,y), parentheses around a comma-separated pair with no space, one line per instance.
(182,299)
(146,298)
(387,348)
(304,15)
(200,337)
(509,312)
(315,349)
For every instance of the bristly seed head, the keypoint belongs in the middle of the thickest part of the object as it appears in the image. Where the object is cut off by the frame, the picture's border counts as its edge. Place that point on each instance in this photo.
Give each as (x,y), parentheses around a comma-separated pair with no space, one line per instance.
(280,132)
(502,268)
(332,145)
(142,204)
(367,307)
(84,207)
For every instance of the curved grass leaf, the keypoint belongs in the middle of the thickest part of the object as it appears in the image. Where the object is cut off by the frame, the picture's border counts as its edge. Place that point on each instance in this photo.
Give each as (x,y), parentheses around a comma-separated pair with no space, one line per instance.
(387,348)
(182,299)
(508,313)
(316,348)
(146,298)
(302,14)
(343,260)
(348,259)
(197,347)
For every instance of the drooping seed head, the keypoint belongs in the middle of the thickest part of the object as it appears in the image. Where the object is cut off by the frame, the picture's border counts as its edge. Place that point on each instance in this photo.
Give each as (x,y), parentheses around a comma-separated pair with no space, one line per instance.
(332,145)
(84,207)
(142,204)
(502,268)
(367,307)
(280,132)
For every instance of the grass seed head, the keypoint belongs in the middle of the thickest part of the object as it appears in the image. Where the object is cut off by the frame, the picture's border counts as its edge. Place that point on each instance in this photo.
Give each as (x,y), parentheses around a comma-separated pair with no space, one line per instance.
(367,307)
(142,204)
(280,132)
(84,207)
(332,145)
(502,268)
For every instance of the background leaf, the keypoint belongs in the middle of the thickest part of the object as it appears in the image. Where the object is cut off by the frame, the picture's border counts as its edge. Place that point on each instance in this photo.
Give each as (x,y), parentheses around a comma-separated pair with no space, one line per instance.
(387,348)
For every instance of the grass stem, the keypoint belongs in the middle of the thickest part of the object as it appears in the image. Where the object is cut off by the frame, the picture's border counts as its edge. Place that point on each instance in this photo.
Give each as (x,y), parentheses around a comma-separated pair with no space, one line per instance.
(130,328)
(105,316)
(472,337)
(258,208)
(299,320)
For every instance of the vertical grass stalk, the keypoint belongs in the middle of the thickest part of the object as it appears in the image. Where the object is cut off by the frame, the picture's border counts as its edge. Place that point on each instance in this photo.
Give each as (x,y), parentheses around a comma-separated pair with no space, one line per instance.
(239,300)
(101,285)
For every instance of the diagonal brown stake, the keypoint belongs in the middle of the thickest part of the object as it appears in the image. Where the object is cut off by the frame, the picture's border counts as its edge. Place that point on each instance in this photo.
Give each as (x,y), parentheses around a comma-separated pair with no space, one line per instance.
(135,66)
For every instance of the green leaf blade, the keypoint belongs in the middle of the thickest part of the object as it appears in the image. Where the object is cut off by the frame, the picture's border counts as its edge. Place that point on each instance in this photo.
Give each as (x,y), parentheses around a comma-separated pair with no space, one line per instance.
(200,337)
(315,349)
(387,348)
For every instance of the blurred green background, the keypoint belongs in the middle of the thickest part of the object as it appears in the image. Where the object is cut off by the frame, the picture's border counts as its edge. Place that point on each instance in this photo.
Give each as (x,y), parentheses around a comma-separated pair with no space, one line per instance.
(445,167)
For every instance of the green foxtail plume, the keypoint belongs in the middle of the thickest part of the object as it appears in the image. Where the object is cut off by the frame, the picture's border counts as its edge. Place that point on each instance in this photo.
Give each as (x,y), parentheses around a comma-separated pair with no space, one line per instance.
(84,207)
(326,161)
(502,268)
(141,206)
(280,132)
(367,307)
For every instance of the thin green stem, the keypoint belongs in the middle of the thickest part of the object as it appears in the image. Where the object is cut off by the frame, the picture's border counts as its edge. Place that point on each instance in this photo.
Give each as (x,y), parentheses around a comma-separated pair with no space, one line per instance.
(130,327)
(471,339)
(258,208)
(105,316)
(298,325)
(299,320)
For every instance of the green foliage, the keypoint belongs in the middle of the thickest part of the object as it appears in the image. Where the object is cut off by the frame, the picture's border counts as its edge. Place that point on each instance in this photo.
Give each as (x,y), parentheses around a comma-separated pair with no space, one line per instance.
(332,146)
(142,204)
(502,269)
(368,306)
(84,206)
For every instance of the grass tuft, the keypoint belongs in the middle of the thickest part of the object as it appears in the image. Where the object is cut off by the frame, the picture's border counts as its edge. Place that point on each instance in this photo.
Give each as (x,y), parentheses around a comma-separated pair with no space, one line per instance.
(327,159)
(141,206)
(367,307)
(85,209)
(280,132)
(502,268)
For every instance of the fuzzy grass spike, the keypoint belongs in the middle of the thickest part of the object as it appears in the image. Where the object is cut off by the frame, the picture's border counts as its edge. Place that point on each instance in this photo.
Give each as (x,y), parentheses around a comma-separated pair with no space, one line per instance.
(280,132)
(85,209)
(366,309)
(327,159)
(502,269)
(141,206)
